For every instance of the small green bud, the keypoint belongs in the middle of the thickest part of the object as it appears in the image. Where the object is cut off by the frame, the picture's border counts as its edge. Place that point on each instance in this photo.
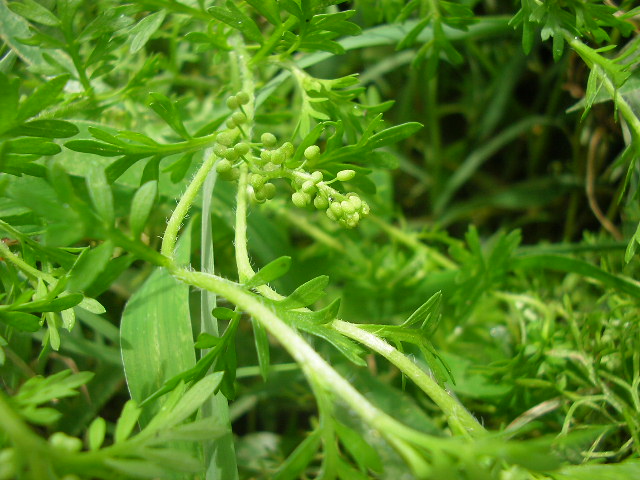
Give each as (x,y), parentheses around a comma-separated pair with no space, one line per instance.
(257,181)
(230,175)
(278,157)
(309,186)
(355,201)
(320,202)
(268,139)
(312,152)
(239,118)
(219,149)
(223,166)
(225,138)
(336,208)
(364,209)
(230,123)
(347,207)
(352,220)
(316,176)
(288,149)
(265,155)
(242,148)
(300,199)
(346,175)
(243,98)
(259,196)
(231,154)
(232,102)
(269,190)
(63,441)
(331,215)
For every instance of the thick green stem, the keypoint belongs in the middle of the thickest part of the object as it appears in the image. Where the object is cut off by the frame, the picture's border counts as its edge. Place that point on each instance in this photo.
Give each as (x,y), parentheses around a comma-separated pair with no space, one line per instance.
(312,364)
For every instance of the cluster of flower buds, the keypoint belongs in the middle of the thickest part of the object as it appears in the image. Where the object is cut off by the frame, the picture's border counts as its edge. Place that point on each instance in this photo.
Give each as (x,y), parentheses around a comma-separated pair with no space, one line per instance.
(229,145)
(273,162)
(312,189)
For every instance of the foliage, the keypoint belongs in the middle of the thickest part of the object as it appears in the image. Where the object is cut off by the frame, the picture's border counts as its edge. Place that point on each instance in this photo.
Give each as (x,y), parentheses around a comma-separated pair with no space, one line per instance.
(449,185)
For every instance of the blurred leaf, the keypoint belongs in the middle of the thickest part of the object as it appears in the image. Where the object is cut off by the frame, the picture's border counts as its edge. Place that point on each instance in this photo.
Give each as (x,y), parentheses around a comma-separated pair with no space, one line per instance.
(145,28)
(21,321)
(296,463)
(127,421)
(46,129)
(235,18)
(364,454)
(141,206)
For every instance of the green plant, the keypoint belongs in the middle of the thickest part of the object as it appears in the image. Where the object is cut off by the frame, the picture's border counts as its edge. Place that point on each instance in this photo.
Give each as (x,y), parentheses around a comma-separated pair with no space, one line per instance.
(508,354)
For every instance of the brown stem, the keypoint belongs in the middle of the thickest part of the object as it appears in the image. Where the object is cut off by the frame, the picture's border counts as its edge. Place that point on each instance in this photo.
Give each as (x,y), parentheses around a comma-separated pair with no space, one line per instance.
(596,139)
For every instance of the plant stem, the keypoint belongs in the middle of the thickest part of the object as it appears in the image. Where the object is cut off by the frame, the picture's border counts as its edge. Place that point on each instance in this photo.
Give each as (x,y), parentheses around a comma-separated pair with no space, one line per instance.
(170,236)
(589,56)
(312,364)
(459,418)
(7,254)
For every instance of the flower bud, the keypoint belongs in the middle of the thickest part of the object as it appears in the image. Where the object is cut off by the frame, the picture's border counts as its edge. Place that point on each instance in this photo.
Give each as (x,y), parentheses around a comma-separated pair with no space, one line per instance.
(312,152)
(300,199)
(346,175)
(243,98)
(268,139)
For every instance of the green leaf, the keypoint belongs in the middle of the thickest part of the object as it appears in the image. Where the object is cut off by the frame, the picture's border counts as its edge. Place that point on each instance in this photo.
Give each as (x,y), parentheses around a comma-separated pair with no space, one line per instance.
(96,148)
(32,145)
(141,206)
(21,321)
(127,421)
(234,17)
(223,313)
(271,271)
(44,96)
(427,313)
(136,468)
(172,459)
(268,9)
(35,12)
(55,305)
(38,390)
(155,332)
(307,293)
(100,193)
(89,265)
(393,135)
(296,463)
(145,28)
(347,472)
(262,348)
(46,129)
(572,265)
(14,30)
(96,433)
(166,110)
(364,454)
(192,399)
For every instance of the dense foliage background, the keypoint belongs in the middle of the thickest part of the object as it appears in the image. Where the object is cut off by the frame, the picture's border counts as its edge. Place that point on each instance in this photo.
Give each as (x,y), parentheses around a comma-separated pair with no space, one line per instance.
(464,172)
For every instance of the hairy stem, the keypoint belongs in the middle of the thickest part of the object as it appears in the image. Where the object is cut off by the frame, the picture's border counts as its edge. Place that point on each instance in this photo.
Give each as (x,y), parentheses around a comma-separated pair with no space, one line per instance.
(170,236)
(459,418)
